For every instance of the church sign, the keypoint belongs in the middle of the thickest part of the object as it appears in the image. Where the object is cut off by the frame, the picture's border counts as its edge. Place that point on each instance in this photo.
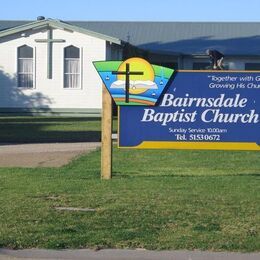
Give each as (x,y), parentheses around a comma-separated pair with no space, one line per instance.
(134,81)
(216,110)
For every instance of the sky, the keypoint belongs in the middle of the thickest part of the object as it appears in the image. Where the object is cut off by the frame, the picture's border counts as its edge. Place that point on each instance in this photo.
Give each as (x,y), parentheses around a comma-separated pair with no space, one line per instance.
(132,10)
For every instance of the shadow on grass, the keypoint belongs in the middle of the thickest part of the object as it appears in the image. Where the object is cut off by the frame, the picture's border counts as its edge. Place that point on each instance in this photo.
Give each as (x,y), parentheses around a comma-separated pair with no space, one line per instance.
(48,130)
(33,120)
(55,137)
(118,175)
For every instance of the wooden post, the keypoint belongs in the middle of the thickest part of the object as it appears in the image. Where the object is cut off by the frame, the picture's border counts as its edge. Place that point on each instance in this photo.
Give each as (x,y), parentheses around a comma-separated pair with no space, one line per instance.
(106,135)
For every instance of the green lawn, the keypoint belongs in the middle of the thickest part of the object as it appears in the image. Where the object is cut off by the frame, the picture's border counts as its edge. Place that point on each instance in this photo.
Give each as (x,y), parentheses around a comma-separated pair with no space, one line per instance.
(49,129)
(156,200)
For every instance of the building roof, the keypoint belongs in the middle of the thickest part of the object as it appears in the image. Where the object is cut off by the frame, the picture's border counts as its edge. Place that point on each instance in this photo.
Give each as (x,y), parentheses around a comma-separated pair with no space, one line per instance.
(188,38)
(11,27)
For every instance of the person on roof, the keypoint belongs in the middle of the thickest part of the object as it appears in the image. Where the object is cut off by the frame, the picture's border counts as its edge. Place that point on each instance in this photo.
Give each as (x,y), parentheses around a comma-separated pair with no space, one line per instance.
(216,58)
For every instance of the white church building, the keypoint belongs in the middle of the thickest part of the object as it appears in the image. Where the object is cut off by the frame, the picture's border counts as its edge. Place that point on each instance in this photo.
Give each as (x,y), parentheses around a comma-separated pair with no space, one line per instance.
(46,66)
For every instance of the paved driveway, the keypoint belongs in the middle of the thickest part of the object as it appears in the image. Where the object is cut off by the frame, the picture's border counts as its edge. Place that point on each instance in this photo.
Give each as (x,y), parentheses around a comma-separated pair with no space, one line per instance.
(42,155)
(117,254)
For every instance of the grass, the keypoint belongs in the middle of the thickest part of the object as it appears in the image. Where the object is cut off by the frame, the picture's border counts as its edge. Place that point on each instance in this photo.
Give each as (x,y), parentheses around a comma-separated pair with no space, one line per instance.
(49,129)
(156,200)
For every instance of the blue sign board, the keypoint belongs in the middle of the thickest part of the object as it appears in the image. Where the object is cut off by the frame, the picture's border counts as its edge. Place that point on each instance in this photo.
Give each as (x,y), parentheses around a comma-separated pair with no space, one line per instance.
(198,110)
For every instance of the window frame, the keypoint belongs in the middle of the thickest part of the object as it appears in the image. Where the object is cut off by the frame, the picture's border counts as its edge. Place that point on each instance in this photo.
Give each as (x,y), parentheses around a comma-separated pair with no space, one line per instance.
(168,64)
(34,67)
(80,67)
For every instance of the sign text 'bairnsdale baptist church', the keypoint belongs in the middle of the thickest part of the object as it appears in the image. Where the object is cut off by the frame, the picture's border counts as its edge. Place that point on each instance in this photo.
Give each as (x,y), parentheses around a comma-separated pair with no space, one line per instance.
(186,109)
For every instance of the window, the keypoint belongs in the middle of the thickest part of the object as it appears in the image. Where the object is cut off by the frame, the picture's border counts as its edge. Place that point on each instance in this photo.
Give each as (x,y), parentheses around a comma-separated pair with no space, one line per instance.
(25,67)
(171,65)
(71,67)
(201,66)
(252,66)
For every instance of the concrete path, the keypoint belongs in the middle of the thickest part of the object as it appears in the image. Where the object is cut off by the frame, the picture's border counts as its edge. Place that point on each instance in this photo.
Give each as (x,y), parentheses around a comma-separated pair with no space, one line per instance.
(116,254)
(42,155)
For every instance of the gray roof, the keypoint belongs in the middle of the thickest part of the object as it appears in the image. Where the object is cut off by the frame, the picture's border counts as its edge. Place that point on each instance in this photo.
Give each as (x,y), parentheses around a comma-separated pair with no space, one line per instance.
(231,38)
(58,24)
(4,25)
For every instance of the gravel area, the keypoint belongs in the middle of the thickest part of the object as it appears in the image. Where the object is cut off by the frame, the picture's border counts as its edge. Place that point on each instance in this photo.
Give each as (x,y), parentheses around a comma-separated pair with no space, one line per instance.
(42,155)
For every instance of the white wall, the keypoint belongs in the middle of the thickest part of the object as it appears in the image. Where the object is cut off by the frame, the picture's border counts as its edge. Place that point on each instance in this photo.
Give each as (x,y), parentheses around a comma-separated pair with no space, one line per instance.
(49,93)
